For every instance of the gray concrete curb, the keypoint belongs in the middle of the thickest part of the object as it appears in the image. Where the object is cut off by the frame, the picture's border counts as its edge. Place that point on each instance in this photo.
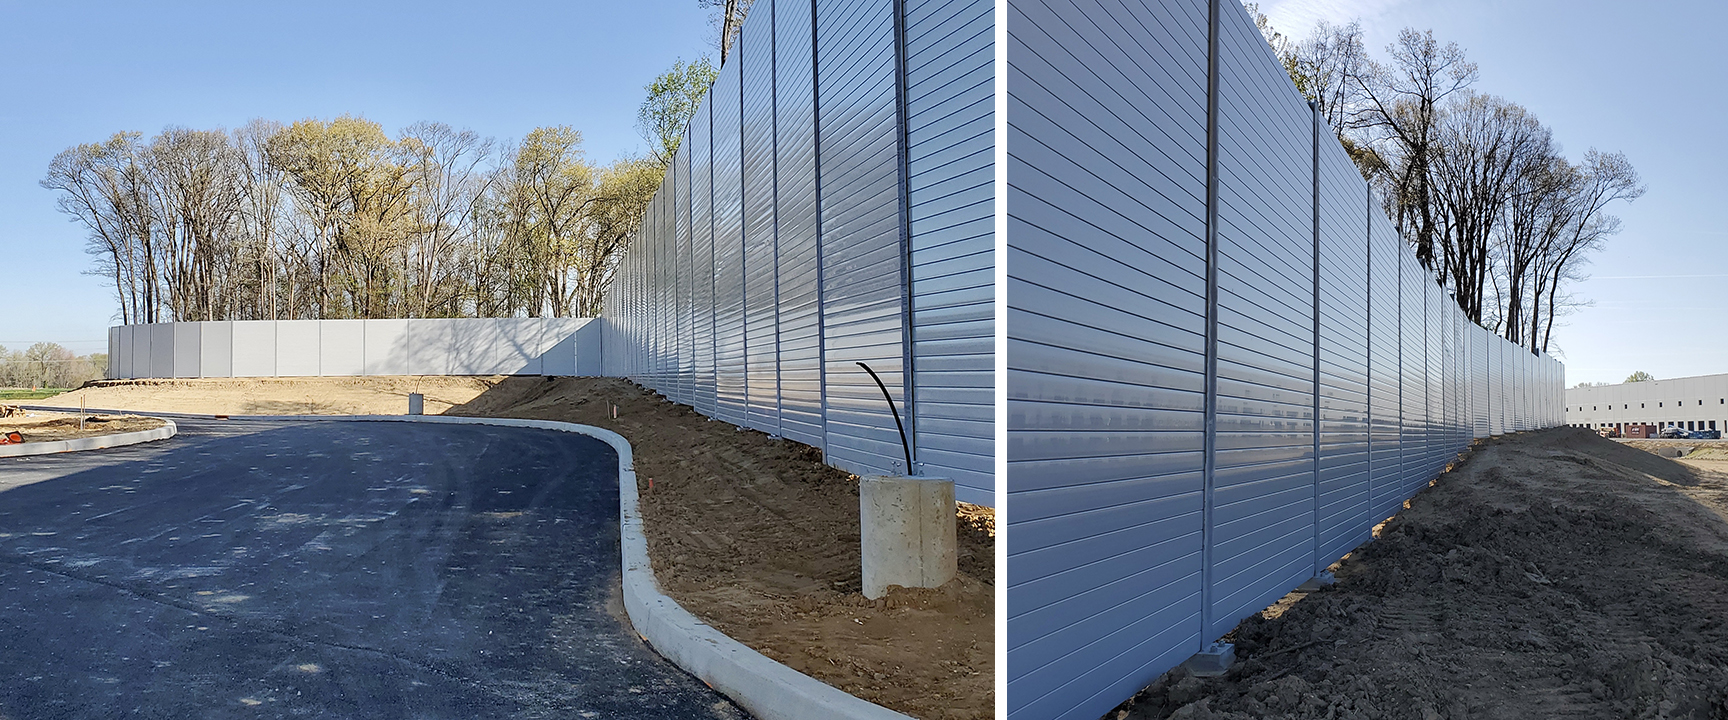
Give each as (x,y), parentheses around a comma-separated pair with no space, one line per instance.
(768,689)
(91,443)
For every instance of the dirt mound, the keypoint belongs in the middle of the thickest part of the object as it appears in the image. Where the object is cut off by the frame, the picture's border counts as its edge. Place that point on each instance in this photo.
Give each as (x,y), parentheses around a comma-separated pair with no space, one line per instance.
(276,396)
(49,427)
(1552,574)
(756,536)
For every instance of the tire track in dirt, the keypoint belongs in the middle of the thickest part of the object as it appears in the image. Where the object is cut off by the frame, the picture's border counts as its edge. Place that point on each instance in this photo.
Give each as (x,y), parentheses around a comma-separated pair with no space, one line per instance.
(1551,574)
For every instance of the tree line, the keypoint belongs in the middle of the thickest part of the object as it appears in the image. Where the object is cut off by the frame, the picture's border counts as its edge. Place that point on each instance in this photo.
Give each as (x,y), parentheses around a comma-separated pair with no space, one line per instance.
(1474,183)
(338,219)
(49,365)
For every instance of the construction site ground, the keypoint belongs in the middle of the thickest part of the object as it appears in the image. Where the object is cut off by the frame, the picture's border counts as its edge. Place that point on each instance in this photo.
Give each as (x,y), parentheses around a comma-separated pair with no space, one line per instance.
(275,396)
(1552,574)
(752,534)
(41,426)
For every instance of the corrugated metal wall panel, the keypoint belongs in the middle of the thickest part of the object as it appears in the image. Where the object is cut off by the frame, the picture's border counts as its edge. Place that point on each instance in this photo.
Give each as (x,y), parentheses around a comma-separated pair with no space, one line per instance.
(1413,411)
(1106,348)
(217,344)
(1481,399)
(1108,356)
(1264,471)
(1499,387)
(950,97)
(729,246)
(187,352)
(700,139)
(342,347)
(688,274)
(1344,487)
(798,265)
(254,348)
(646,283)
(113,368)
(161,349)
(666,289)
(863,258)
(810,188)
(1385,450)
(119,352)
(137,348)
(650,315)
(761,317)
(1432,376)
(297,350)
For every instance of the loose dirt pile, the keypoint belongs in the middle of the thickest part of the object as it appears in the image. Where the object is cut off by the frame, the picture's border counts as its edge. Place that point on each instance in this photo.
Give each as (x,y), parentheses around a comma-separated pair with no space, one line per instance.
(276,396)
(760,539)
(1553,574)
(37,426)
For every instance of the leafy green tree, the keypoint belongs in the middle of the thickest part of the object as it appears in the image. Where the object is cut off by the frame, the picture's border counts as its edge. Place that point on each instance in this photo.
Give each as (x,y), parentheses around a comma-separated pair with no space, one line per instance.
(672,100)
(347,179)
(1640,376)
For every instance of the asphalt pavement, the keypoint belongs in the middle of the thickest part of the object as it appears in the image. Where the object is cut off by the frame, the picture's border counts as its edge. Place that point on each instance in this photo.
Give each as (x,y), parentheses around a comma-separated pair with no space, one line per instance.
(325,570)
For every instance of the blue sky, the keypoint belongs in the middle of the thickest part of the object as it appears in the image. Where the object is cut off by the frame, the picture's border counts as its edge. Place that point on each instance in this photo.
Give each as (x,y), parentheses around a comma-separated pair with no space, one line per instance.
(1613,75)
(77,72)
(1646,79)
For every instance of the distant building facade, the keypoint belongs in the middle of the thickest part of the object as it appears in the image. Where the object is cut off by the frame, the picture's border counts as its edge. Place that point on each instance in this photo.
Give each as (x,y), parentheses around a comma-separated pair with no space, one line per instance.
(1694,403)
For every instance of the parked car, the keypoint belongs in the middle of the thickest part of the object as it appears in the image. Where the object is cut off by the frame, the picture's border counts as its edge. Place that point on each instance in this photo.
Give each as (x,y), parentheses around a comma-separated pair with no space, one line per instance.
(1706,434)
(1674,433)
(1608,432)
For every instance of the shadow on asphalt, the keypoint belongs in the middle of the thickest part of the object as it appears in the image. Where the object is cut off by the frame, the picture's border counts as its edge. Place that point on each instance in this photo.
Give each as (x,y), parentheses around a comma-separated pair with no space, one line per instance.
(326,570)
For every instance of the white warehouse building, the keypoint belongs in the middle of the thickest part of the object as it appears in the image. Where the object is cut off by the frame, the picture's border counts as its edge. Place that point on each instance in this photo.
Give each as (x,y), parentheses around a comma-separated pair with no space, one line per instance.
(1694,403)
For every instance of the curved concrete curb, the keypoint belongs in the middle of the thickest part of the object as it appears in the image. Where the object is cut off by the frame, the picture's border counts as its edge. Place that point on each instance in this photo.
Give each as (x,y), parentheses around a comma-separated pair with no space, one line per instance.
(91,443)
(768,689)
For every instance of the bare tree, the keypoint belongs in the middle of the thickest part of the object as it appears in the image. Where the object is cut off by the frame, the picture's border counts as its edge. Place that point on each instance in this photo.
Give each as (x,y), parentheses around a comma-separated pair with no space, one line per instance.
(1602,179)
(727,17)
(335,218)
(105,188)
(1487,154)
(1475,184)
(448,177)
(262,246)
(197,189)
(1399,113)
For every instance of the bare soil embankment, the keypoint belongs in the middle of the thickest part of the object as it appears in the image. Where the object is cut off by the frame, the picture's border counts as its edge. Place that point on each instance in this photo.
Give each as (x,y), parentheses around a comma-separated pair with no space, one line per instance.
(752,534)
(40,426)
(759,538)
(276,396)
(1552,574)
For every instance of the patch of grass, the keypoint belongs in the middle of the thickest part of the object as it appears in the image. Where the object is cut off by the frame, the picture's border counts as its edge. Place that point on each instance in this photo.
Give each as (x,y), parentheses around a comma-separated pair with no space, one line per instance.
(28,394)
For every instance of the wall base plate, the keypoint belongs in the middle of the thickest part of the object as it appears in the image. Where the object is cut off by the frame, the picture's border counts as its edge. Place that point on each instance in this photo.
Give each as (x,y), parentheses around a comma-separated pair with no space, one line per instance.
(1213,661)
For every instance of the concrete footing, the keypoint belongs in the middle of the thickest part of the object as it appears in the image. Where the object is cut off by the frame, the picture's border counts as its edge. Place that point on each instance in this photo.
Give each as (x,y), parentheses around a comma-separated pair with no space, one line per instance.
(1314,584)
(1213,661)
(907,532)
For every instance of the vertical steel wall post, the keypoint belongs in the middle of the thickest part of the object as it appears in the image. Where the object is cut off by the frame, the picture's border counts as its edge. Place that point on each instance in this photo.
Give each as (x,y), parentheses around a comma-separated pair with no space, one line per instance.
(743,242)
(908,388)
(713,277)
(1211,440)
(774,151)
(821,275)
(1314,109)
(1368,340)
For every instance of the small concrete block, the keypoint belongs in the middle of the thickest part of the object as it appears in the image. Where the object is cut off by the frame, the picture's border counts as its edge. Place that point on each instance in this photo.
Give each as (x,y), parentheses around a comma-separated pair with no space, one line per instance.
(908,532)
(416,404)
(1314,584)
(1212,661)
